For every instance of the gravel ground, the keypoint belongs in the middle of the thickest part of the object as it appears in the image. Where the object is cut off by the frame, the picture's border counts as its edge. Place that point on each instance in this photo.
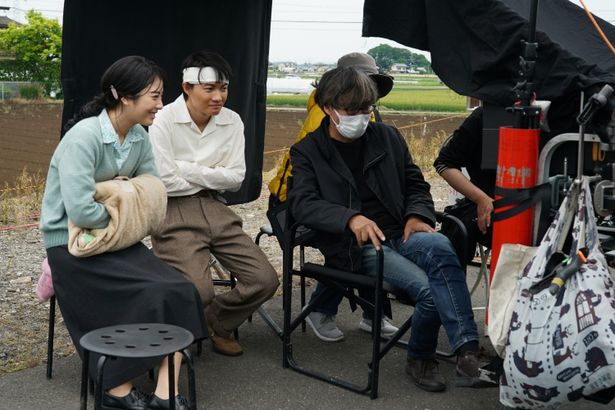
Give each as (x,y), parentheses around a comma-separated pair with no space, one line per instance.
(23,319)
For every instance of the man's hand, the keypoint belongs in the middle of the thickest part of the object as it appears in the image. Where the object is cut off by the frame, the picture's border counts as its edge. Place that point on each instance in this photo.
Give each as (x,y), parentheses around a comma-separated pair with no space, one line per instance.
(416,224)
(484,208)
(364,230)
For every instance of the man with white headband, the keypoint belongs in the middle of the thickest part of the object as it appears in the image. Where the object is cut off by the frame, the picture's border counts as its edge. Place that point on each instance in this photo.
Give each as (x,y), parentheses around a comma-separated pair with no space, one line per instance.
(199,150)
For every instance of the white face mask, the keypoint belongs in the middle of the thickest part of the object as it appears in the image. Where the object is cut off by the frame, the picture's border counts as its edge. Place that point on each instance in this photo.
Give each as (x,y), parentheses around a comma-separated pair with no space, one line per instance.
(352,126)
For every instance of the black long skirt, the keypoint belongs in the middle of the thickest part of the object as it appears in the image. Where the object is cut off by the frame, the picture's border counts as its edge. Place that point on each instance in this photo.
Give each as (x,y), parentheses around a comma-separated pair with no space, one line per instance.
(128,286)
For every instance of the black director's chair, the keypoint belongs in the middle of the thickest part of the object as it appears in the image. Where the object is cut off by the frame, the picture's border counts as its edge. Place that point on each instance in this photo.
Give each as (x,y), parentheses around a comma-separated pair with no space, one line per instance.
(347,283)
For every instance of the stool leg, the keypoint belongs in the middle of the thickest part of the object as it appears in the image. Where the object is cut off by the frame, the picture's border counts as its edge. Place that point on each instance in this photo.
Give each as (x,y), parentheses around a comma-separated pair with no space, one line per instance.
(84,379)
(52,322)
(171,360)
(191,381)
(98,390)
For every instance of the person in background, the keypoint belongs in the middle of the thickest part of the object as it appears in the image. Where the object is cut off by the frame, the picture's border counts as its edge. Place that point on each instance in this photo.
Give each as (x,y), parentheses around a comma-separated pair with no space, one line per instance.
(355,184)
(106,141)
(199,148)
(322,319)
(463,149)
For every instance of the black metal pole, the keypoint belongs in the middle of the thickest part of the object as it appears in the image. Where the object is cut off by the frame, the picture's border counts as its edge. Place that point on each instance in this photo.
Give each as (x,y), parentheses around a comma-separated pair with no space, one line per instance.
(533,18)
(527,116)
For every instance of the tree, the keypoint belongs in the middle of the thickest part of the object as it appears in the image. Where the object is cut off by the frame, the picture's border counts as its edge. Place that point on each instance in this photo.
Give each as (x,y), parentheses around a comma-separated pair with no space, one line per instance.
(386,56)
(37,50)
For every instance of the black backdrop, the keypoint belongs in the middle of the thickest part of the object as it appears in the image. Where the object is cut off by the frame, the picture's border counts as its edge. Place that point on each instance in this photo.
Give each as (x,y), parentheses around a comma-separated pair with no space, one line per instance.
(568,25)
(96,33)
(475,45)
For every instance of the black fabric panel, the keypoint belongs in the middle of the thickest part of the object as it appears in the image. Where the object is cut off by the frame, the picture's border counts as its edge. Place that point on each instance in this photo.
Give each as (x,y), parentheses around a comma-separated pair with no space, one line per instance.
(96,33)
(475,47)
(567,24)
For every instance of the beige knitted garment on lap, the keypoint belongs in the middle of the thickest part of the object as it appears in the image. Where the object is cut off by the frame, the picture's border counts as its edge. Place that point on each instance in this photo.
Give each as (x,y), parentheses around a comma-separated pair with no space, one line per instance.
(136,207)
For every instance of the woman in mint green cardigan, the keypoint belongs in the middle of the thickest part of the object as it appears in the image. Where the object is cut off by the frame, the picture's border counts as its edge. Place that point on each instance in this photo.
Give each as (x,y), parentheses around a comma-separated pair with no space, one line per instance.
(106,140)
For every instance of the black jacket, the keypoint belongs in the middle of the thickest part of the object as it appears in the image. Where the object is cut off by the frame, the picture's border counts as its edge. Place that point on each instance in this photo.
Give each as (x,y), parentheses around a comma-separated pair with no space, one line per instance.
(464,148)
(324,195)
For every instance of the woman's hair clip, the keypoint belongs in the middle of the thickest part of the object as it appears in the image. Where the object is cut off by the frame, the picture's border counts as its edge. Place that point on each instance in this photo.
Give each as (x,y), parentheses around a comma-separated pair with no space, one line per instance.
(114,93)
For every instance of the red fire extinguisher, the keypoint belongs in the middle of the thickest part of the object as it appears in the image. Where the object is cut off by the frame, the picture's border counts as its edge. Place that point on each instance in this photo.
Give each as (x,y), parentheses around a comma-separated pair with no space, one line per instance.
(517,168)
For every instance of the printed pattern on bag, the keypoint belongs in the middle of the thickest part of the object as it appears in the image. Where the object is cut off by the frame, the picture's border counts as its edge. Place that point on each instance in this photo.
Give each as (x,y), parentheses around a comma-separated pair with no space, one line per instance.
(561,348)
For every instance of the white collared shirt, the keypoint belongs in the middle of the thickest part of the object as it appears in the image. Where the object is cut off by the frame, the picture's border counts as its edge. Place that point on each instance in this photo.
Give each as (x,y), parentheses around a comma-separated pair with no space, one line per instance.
(190,160)
(109,136)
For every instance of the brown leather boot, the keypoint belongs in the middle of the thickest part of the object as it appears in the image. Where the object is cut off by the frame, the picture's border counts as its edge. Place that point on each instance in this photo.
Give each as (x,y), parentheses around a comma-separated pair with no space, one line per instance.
(473,370)
(426,374)
(221,342)
(224,345)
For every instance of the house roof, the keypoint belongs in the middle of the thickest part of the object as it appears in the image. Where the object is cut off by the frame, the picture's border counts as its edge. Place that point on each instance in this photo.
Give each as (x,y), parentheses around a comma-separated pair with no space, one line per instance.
(4,22)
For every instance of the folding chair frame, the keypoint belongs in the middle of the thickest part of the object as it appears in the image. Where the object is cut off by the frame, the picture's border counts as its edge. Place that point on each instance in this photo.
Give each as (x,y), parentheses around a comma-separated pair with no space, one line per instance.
(345,282)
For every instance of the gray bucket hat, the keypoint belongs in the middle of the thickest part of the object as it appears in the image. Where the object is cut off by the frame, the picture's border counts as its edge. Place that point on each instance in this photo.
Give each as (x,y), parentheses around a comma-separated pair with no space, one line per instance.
(367,64)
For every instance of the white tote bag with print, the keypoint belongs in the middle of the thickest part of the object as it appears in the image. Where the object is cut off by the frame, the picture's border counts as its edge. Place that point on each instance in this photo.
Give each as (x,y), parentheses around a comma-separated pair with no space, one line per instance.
(503,291)
(561,348)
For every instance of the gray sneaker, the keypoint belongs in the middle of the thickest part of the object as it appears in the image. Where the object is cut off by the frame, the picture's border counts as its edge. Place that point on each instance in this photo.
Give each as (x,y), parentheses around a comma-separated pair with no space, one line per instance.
(324,327)
(387,329)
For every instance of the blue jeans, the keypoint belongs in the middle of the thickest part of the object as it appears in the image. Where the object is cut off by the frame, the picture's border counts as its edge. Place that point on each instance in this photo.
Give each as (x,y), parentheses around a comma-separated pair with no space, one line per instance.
(329,304)
(426,269)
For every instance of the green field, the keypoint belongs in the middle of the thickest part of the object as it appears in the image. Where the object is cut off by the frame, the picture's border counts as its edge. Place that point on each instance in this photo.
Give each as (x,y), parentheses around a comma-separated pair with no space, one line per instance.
(426,94)
(413,98)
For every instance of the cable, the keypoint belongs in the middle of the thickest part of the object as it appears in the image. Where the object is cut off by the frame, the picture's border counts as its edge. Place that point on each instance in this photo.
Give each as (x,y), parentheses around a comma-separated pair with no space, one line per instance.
(593,20)
(416,124)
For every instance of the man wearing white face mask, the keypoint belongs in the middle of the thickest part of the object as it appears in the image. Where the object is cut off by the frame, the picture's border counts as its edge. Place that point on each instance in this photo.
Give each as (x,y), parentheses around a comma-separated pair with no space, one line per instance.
(355,184)
(352,126)
(322,320)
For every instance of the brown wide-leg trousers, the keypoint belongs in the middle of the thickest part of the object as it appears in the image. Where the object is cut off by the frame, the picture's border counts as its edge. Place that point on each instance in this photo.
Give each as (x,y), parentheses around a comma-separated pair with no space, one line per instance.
(195,228)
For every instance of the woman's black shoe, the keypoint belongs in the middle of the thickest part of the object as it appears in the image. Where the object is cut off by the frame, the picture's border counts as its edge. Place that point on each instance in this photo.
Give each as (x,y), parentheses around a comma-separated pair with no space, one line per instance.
(135,400)
(156,403)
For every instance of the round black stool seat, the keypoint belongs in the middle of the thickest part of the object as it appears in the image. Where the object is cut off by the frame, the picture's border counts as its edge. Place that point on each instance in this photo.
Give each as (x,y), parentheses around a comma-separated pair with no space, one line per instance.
(136,341)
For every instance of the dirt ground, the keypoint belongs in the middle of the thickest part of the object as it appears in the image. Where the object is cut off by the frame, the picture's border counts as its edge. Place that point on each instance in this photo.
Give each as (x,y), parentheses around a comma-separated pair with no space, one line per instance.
(29,133)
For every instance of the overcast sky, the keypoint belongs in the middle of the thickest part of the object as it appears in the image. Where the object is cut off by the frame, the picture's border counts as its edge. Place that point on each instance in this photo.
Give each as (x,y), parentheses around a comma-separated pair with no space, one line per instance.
(301,30)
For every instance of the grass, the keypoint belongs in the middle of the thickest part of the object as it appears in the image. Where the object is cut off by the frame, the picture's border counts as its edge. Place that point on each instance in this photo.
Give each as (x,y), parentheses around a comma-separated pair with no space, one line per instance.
(20,202)
(403,97)
(287,100)
(424,148)
(438,99)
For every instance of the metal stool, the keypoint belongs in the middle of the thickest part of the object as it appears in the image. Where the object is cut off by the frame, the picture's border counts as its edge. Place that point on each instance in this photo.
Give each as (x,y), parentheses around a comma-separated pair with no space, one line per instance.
(136,341)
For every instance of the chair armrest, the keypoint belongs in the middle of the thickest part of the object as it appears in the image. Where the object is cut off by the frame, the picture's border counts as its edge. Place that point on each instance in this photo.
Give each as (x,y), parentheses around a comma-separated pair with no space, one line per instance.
(461,247)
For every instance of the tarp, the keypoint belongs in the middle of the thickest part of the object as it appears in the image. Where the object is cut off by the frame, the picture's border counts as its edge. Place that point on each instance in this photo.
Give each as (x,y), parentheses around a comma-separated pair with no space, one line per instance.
(475,45)
(568,25)
(96,33)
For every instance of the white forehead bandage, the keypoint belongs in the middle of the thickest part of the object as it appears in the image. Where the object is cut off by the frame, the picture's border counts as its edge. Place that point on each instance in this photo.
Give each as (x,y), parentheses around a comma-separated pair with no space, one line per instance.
(200,75)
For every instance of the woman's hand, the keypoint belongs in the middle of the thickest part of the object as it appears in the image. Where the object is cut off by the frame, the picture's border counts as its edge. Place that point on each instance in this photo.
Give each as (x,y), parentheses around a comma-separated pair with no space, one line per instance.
(364,230)
(484,209)
(121,178)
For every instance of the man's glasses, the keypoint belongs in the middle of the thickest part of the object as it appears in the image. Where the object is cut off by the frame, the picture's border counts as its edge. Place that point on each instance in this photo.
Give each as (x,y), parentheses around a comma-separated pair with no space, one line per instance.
(363,111)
